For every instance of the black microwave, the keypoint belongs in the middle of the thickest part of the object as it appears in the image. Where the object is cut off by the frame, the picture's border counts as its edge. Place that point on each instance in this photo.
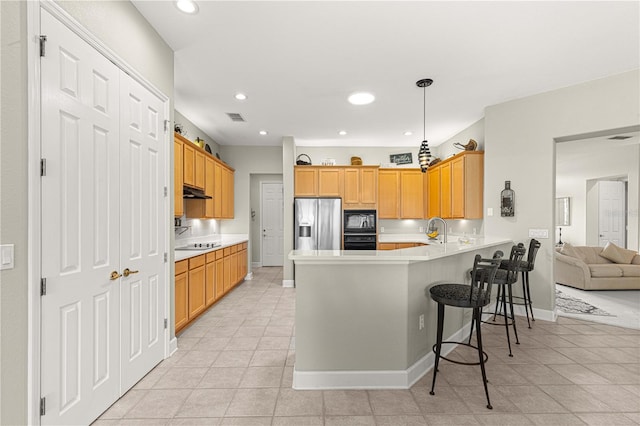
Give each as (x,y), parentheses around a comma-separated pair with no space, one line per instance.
(359,222)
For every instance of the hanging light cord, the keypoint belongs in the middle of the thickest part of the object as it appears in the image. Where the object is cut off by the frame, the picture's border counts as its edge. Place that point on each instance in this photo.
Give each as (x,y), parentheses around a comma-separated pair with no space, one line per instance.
(424,112)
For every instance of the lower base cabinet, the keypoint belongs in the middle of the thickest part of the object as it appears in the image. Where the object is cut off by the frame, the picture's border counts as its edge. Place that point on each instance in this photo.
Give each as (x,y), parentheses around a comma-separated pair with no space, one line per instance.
(395,246)
(202,280)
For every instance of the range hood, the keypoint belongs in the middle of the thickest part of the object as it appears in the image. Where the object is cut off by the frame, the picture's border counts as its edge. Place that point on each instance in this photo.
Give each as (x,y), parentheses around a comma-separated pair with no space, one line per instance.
(194,194)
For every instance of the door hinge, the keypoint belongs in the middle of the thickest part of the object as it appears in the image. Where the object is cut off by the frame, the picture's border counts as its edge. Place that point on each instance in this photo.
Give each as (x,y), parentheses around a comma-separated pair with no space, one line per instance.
(166,258)
(43,406)
(166,191)
(166,125)
(43,286)
(43,167)
(43,40)
(166,323)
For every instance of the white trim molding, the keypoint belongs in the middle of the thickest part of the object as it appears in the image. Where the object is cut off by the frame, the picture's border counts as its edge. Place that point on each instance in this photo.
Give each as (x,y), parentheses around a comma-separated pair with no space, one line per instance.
(288,283)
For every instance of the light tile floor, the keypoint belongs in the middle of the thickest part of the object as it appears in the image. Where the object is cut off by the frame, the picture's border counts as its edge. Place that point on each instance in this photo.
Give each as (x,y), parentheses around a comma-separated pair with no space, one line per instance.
(234,366)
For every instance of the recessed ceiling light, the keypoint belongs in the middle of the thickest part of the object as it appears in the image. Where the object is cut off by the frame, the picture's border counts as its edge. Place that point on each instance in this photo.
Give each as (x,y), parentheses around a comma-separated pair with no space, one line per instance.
(342,132)
(408,133)
(263,132)
(241,96)
(361,98)
(187,6)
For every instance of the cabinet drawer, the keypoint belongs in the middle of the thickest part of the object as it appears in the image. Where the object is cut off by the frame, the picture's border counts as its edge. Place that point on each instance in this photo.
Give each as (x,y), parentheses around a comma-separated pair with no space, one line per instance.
(244,246)
(227,251)
(211,257)
(234,248)
(219,254)
(194,262)
(182,267)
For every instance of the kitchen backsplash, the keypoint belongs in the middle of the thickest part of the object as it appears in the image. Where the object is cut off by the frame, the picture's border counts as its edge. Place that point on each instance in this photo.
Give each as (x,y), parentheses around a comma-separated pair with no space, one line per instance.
(197,228)
(413,226)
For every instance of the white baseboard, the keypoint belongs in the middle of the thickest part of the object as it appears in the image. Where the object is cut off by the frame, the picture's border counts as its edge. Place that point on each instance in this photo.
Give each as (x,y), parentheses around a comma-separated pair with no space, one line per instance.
(249,276)
(256,264)
(382,379)
(288,283)
(173,346)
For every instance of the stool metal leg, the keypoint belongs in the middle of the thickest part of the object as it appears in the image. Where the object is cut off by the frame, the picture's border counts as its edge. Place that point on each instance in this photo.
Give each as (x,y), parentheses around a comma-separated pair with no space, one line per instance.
(438,345)
(477,314)
(513,316)
(529,296)
(506,317)
(525,298)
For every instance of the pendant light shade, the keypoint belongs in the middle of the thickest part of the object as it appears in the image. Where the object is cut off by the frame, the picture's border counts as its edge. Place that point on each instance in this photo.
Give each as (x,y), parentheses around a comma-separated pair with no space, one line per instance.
(424,155)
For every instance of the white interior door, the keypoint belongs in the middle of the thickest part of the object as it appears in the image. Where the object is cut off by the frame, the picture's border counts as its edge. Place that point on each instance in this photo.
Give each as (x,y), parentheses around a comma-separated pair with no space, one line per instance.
(611,213)
(272,224)
(80,374)
(142,230)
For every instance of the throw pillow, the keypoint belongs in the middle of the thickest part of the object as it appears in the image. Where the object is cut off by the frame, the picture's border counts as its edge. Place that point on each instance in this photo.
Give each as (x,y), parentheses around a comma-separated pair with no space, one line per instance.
(617,254)
(569,250)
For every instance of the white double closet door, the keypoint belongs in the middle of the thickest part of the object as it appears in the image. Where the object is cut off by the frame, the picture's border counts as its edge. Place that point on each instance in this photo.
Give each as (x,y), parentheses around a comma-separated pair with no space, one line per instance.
(103,211)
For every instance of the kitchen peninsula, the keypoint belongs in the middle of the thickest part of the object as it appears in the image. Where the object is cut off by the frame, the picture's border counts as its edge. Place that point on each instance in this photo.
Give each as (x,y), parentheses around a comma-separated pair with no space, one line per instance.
(364,319)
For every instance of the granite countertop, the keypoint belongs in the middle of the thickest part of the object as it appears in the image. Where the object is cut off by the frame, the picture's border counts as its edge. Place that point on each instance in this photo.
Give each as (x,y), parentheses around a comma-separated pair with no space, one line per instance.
(224,240)
(407,255)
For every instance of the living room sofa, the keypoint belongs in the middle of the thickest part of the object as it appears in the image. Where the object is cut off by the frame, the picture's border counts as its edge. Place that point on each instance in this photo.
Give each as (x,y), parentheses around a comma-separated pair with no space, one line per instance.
(585,268)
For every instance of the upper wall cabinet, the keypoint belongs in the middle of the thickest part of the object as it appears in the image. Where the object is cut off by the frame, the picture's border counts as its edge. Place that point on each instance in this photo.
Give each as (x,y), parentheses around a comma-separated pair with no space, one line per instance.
(401,194)
(360,187)
(195,167)
(318,181)
(459,181)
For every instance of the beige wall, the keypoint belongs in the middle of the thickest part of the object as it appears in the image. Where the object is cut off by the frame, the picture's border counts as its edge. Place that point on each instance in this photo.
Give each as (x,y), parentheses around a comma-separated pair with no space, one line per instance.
(152,58)
(520,147)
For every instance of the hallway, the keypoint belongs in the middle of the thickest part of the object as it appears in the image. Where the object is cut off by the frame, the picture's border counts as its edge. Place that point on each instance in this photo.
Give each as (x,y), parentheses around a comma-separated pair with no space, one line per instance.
(234,366)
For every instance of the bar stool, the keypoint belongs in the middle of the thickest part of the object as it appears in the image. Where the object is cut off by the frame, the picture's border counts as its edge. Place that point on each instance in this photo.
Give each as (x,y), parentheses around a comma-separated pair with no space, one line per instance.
(526,266)
(475,296)
(505,278)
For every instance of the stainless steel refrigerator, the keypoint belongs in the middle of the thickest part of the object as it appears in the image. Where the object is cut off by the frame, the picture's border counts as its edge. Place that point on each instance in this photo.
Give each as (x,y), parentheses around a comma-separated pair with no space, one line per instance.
(318,223)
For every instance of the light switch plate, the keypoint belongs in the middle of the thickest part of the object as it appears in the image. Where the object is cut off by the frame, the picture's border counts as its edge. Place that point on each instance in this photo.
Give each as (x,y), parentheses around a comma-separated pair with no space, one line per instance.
(489,211)
(538,233)
(6,256)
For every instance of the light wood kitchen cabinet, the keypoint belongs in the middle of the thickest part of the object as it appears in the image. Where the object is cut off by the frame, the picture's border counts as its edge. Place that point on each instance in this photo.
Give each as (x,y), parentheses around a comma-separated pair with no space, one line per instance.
(445,190)
(202,280)
(433,192)
(199,170)
(178,207)
(330,181)
(305,181)
(360,187)
(411,194)
(388,194)
(209,187)
(217,190)
(459,181)
(395,246)
(197,285)
(193,165)
(227,193)
(401,194)
(181,291)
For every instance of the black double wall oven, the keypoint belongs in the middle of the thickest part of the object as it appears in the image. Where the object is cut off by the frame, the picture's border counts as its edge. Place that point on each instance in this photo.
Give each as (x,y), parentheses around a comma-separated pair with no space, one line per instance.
(360,229)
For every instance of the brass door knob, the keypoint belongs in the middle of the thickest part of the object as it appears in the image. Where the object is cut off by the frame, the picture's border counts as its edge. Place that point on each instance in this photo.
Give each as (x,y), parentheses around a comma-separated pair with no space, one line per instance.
(115,275)
(128,272)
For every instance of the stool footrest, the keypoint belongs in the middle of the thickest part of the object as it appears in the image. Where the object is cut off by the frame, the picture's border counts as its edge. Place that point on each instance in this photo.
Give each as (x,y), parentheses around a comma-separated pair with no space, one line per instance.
(486,357)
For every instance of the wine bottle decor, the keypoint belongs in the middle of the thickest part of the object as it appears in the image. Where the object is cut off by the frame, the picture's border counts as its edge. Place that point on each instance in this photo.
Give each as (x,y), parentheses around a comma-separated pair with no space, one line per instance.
(507,200)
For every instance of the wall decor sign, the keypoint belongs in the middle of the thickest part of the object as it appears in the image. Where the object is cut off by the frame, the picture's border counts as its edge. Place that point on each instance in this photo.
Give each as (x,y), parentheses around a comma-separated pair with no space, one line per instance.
(404,158)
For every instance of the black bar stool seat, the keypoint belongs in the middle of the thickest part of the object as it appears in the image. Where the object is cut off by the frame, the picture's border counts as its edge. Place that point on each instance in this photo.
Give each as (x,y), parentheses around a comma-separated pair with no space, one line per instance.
(474,296)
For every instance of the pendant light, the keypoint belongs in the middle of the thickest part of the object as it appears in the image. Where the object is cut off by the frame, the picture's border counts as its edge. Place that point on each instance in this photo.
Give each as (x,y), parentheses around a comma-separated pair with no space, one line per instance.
(424,155)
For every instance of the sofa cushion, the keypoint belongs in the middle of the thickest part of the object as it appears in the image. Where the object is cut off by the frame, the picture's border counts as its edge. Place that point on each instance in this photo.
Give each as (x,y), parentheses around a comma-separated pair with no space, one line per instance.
(630,270)
(591,255)
(605,271)
(617,254)
(569,250)
(636,260)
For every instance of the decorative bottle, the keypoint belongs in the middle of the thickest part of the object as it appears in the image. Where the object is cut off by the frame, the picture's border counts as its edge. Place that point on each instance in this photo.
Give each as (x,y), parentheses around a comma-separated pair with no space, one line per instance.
(507,200)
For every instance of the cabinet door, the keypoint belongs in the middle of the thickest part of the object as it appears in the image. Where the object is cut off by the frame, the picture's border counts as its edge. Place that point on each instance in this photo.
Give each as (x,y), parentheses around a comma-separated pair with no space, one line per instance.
(433,192)
(457,188)
(217,192)
(330,182)
(368,186)
(473,184)
(219,278)
(181,302)
(234,269)
(210,283)
(351,193)
(227,193)
(305,181)
(209,187)
(386,246)
(227,273)
(189,164)
(445,190)
(388,194)
(177,177)
(199,170)
(197,291)
(412,194)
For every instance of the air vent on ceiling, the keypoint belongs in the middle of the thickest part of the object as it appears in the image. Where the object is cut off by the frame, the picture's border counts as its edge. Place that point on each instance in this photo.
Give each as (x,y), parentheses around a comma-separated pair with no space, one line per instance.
(234,116)
(619,138)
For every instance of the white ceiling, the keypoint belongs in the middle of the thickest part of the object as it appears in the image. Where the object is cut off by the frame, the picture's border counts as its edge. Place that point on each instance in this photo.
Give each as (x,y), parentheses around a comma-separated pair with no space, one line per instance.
(298,61)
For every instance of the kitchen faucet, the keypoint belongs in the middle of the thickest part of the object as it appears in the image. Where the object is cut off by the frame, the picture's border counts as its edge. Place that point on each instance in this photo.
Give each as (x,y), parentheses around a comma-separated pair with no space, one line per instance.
(444,225)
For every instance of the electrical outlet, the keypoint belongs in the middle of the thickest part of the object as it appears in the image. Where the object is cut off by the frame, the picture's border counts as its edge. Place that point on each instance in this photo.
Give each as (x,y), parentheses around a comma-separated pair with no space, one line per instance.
(421,322)
(421,229)
(381,229)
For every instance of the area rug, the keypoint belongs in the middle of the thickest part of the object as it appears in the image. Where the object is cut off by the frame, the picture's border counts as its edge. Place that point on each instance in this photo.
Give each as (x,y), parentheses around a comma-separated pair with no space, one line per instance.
(572,305)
